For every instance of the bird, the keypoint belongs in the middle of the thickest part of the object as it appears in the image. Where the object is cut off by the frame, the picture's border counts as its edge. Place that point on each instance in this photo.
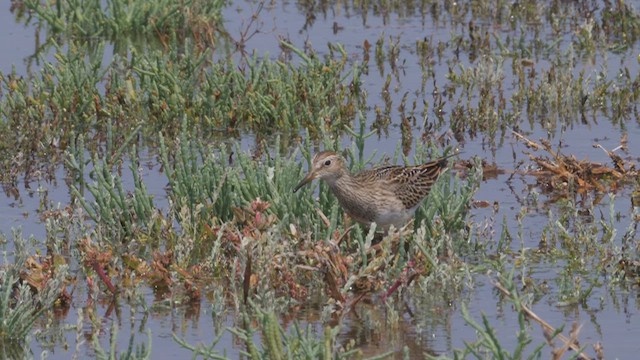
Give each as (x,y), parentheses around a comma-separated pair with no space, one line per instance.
(386,195)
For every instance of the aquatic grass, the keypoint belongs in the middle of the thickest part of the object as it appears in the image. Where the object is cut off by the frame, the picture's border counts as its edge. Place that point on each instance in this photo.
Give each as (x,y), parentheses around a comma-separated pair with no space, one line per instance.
(553,93)
(38,112)
(211,183)
(620,22)
(585,250)
(168,85)
(477,110)
(261,213)
(492,345)
(556,94)
(20,304)
(439,257)
(266,261)
(14,350)
(616,98)
(265,111)
(203,351)
(17,315)
(131,352)
(277,96)
(118,214)
(273,179)
(164,19)
(282,98)
(215,188)
(268,243)
(450,199)
(199,178)
(627,271)
(294,343)
(79,94)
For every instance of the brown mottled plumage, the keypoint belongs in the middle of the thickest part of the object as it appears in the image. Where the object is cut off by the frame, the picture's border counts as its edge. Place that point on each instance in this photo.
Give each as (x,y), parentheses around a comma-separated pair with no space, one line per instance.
(387,195)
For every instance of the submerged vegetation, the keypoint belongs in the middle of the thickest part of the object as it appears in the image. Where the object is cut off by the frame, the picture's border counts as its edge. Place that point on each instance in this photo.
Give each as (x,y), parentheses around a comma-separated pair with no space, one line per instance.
(172,110)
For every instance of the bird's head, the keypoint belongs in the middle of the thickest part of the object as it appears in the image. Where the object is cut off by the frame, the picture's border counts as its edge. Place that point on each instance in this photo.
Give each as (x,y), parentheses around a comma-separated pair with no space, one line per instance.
(326,165)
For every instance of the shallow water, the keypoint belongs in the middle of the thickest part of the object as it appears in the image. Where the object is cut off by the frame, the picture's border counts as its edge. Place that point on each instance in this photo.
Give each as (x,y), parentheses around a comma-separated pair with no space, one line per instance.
(434,325)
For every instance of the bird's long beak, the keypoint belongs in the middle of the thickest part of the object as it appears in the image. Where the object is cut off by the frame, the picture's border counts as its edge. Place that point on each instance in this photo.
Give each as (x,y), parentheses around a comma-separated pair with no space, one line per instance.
(307,179)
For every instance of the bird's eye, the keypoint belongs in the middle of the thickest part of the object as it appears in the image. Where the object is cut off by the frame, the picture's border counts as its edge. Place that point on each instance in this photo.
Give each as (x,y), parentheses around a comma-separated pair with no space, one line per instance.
(327,163)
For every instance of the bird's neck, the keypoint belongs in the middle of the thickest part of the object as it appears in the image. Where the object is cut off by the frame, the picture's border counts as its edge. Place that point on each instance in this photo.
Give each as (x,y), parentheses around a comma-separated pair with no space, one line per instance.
(340,181)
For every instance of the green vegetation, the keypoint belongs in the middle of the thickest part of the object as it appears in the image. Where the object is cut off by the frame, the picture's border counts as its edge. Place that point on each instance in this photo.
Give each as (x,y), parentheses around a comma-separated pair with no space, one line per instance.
(165,20)
(154,90)
(26,292)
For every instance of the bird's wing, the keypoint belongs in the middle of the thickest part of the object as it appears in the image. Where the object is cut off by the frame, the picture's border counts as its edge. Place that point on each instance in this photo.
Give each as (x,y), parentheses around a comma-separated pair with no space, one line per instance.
(411,184)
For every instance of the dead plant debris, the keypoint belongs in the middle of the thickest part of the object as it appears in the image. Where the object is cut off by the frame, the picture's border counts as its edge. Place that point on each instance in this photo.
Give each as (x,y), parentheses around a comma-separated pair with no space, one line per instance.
(556,172)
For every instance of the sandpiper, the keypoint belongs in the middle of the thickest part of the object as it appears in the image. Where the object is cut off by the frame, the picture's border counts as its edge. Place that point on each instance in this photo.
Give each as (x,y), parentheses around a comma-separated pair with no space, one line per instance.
(387,195)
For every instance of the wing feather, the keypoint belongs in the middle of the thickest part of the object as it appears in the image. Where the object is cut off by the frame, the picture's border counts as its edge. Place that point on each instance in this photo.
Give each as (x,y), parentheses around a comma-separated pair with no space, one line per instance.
(410,184)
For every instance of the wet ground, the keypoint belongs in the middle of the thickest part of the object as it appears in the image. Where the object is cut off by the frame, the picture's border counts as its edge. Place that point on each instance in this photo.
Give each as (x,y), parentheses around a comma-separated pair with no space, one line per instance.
(429,324)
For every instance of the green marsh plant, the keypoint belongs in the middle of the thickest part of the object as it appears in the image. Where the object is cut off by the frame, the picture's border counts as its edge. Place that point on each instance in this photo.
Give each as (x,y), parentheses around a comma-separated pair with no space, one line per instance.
(21,305)
(111,19)
(199,178)
(210,183)
(79,93)
(450,200)
(272,179)
(118,214)
(131,352)
(490,344)
(297,342)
